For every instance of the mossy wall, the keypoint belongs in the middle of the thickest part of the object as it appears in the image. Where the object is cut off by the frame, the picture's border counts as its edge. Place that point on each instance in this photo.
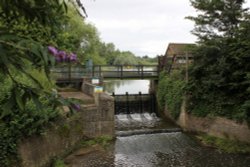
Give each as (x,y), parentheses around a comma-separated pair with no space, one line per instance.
(92,121)
(215,126)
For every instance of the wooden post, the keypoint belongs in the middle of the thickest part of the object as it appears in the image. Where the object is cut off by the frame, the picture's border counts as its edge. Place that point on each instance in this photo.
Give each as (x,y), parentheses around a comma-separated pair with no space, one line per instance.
(113,94)
(127,103)
(121,72)
(152,102)
(142,71)
(99,71)
(93,71)
(158,70)
(141,107)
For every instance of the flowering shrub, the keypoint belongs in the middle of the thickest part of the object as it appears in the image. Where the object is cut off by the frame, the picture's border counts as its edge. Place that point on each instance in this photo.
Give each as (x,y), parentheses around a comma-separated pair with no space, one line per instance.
(62,56)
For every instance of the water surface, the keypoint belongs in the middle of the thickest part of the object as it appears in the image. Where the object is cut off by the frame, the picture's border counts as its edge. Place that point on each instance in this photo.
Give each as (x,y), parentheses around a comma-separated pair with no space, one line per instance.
(123,86)
(173,149)
(141,141)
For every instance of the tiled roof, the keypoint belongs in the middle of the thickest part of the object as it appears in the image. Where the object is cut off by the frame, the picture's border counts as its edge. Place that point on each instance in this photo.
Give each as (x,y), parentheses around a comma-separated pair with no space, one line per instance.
(178,48)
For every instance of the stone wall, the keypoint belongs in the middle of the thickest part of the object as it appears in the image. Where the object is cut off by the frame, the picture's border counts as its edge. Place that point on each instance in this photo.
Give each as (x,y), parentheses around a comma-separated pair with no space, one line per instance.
(217,126)
(37,151)
(101,122)
(92,121)
(88,88)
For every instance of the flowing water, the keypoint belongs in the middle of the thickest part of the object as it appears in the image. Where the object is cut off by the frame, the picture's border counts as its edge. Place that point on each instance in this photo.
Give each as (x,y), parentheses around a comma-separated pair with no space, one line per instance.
(144,140)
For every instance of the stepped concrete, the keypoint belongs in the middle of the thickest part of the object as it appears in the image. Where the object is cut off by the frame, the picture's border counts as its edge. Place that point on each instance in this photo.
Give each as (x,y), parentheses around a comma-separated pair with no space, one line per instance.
(86,99)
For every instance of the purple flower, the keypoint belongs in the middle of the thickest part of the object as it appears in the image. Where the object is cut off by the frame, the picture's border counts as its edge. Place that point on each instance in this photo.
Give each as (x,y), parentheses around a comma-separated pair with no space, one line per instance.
(58,59)
(53,50)
(76,107)
(72,57)
(62,55)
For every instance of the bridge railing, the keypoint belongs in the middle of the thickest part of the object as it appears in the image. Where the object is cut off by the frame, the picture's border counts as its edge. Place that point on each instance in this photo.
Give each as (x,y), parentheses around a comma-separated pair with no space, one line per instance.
(65,73)
(73,73)
(123,71)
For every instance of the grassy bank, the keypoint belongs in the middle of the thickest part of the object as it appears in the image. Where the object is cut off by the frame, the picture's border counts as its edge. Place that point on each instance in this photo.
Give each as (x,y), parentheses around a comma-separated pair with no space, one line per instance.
(225,145)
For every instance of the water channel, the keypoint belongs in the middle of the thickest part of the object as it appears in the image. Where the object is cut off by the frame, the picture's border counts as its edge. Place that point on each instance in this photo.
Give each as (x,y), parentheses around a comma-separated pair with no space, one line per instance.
(123,86)
(144,140)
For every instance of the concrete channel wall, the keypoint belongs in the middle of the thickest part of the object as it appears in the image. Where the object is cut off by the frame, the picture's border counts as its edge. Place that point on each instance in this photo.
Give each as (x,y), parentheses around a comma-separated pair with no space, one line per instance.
(216,126)
(91,121)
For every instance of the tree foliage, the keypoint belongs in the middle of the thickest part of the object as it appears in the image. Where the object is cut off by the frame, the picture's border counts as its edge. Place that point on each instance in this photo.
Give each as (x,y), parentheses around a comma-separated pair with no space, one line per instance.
(219,78)
(217,18)
(27,101)
(126,58)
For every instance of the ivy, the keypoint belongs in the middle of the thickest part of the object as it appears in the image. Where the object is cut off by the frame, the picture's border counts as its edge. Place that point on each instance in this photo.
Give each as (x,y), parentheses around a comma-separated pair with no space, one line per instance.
(170,93)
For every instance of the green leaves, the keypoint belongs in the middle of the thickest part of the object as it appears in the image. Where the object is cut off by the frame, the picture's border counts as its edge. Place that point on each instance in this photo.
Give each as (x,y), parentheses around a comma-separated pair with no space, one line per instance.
(27,102)
(219,83)
(31,10)
(217,18)
(170,93)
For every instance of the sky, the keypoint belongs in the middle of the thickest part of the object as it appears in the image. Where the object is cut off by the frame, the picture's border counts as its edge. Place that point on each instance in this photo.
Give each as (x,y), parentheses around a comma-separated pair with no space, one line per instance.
(144,27)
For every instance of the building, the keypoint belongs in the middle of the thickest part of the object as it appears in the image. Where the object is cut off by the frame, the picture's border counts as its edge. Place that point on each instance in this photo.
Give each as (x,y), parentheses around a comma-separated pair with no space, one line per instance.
(178,55)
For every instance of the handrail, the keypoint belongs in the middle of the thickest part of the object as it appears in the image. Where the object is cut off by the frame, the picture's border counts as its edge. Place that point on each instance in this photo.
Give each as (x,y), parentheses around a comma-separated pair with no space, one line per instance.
(107,71)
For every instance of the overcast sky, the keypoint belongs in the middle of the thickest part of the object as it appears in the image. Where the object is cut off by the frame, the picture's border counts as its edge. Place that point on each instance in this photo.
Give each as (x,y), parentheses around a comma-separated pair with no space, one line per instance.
(144,27)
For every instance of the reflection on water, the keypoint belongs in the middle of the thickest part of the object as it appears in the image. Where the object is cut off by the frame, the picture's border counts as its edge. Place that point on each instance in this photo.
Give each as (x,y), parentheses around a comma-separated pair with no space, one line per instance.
(123,86)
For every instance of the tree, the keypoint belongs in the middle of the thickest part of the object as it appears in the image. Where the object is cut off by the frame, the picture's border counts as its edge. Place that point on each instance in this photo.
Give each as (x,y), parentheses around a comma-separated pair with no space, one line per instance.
(109,52)
(219,76)
(19,51)
(126,58)
(27,101)
(75,35)
(217,18)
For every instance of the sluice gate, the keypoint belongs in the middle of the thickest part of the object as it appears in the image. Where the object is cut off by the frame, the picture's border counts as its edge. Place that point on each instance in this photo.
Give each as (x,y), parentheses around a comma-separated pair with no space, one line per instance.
(134,103)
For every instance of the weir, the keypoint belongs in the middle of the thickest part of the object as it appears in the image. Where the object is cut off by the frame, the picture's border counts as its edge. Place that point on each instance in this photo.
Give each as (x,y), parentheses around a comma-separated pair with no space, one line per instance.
(146,140)
(134,103)
(142,138)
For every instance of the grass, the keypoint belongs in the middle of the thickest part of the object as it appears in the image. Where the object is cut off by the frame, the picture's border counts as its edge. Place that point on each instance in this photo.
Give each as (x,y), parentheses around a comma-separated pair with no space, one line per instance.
(59,163)
(225,145)
(104,141)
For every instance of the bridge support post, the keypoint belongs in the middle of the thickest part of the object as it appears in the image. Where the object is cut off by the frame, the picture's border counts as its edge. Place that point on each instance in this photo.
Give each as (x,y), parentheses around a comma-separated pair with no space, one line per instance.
(113,95)
(141,105)
(127,103)
(121,68)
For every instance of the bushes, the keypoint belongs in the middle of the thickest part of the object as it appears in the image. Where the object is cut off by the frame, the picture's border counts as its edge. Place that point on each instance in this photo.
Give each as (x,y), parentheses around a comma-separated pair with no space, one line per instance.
(226,145)
(201,102)
(170,92)
(16,124)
